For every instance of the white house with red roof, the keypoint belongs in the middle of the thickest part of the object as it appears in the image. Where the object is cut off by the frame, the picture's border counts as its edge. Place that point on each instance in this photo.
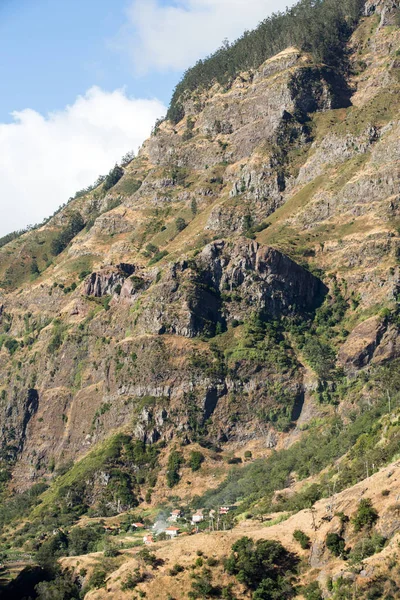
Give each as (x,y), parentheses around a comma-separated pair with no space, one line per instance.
(175,515)
(172,532)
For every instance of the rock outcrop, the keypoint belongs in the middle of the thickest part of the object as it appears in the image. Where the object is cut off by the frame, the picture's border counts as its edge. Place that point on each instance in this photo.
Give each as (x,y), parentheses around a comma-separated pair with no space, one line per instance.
(224,282)
(372,341)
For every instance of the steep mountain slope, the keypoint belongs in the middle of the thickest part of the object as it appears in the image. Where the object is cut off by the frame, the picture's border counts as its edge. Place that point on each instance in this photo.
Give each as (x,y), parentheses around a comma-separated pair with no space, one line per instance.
(231,291)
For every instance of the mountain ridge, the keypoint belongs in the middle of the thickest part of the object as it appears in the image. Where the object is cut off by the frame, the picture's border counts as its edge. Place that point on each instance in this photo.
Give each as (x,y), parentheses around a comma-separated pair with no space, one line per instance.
(230,299)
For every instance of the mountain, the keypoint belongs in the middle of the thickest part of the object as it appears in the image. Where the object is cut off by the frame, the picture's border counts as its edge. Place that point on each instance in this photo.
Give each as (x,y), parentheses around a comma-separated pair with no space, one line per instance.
(214,327)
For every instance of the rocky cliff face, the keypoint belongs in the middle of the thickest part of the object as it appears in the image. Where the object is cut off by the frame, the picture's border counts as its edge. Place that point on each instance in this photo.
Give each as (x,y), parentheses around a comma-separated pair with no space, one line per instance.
(265,201)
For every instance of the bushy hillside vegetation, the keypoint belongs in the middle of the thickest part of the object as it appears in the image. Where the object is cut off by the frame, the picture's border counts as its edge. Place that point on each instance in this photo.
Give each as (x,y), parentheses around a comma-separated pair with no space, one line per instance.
(321,27)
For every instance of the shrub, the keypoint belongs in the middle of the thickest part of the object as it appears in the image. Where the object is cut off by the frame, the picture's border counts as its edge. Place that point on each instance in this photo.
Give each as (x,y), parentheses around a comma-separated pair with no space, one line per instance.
(336,544)
(302,538)
(260,565)
(366,515)
(157,257)
(180,224)
(11,345)
(175,461)
(202,586)
(312,591)
(97,579)
(366,547)
(176,569)
(132,580)
(198,562)
(196,459)
(149,558)
(110,551)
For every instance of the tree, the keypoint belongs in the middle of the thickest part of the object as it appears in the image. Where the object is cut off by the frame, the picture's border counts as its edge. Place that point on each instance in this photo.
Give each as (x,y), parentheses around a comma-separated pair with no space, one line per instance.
(113,177)
(51,549)
(252,563)
(63,587)
(196,459)
(180,224)
(83,540)
(97,579)
(127,158)
(75,225)
(302,538)
(336,544)
(366,515)
(175,461)
(34,267)
(321,28)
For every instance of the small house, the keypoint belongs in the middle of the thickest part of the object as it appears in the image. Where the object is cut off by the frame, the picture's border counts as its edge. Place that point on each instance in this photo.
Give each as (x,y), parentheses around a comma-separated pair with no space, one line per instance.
(224,510)
(175,515)
(198,517)
(148,540)
(137,526)
(172,532)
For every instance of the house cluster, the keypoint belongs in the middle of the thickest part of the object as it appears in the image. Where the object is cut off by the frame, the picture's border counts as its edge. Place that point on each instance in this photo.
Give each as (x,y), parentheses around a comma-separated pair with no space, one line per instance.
(171,530)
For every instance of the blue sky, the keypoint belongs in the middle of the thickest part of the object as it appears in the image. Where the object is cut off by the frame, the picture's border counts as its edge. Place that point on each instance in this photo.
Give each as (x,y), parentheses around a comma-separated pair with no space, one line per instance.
(54,50)
(83,81)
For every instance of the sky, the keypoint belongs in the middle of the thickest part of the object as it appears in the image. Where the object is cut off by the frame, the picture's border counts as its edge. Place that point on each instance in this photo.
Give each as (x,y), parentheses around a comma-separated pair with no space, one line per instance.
(83,81)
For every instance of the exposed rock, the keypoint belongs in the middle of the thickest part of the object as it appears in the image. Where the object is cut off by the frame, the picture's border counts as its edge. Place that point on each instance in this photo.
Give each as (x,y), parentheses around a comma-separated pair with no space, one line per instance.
(105,282)
(371,341)
(359,348)
(256,276)
(389,347)
(385,8)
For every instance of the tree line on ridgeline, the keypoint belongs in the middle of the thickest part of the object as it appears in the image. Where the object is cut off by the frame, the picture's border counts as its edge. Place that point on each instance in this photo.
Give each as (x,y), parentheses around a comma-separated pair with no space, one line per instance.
(320,27)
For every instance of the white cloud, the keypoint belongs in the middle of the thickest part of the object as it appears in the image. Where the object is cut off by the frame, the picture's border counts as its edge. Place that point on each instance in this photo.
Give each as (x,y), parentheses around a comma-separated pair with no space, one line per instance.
(46,159)
(175,36)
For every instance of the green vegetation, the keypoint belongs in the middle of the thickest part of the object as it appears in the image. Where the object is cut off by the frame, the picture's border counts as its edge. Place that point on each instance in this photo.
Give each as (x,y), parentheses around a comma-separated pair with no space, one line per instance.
(57,338)
(196,459)
(302,538)
(359,438)
(336,544)
(321,28)
(112,178)
(21,504)
(202,586)
(312,591)
(175,461)
(14,235)
(127,463)
(366,515)
(365,547)
(157,257)
(75,225)
(180,224)
(265,567)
